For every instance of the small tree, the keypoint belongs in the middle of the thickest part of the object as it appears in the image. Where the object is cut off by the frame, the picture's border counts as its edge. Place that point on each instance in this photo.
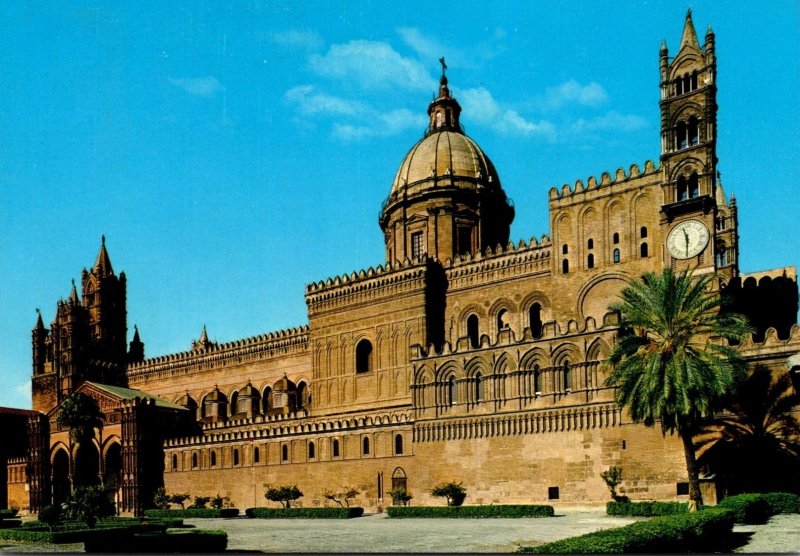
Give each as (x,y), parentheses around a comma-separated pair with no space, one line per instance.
(453,492)
(161,499)
(613,478)
(81,415)
(347,494)
(200,502)
(51,515)
(283,494)
(333,497)
(400,496)
(179,499)
(88,503)
(220,502)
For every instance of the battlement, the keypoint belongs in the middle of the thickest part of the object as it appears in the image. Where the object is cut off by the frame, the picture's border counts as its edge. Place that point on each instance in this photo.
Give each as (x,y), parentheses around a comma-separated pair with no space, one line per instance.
(362,275)
(281,340)
(550,330)
(772,342)
(593,186)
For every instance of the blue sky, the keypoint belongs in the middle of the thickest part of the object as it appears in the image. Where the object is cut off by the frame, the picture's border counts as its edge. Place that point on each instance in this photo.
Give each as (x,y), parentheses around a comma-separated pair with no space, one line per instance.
(233,152)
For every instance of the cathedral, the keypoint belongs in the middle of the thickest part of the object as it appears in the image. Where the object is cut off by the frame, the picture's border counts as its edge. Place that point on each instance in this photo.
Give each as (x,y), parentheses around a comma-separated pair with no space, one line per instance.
(465,356)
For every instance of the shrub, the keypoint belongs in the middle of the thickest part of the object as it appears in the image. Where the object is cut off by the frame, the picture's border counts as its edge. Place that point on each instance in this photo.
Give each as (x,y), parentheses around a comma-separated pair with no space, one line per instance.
(646,509)
(613,478)
(304,513)
(400,496)
(783,502)
(220,502)
(705,531)
(748,508)
(283,494)
(50,515)
(88,503)
(511,510)
(453,492)
(179,499)
(190,513)
(160,499)
(6,513)
(200,502)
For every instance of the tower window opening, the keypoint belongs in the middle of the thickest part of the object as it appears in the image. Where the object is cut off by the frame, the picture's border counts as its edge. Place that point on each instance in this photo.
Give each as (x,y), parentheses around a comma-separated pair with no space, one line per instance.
(256,455)
(694,186)
(174,463)
(567,376)
(643,232)
(478,388)
(564,249)
(235,456)
(721,222)
(451,391)
(694,80)
(679,86)
(312,451)
(590,261)
(464,240)
(501,320)
(284,453)
(417,248)
(565,266)
(692,131)
(590,244)
(535,318)
(472,330)
(722,255)
(398,445)
(615,238)
(194,461)
(365,447)
(687,83)
(682,190)
(335,448)
(616,256)
(537,380)
(364,356)
(643,250)
(213,459)
(680,136)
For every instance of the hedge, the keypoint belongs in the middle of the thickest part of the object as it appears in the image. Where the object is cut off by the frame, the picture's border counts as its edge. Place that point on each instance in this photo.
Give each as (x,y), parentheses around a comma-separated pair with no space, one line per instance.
(748,508)
(8,513)
(783,502)
(304,513)
(73,535)
(10,523)
(703,531)
(194,541)
(646,509)
(511,510)
(193,513)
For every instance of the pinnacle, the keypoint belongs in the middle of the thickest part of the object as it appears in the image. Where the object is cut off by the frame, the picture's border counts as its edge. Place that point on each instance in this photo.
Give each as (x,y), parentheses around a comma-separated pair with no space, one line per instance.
(689,37)
(102,265)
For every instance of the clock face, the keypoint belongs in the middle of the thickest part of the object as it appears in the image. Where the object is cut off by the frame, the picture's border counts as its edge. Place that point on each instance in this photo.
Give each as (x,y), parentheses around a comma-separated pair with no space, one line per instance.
(687,239)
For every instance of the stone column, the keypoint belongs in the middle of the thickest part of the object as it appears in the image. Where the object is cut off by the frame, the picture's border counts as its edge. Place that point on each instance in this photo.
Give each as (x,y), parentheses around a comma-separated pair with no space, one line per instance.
(38,469)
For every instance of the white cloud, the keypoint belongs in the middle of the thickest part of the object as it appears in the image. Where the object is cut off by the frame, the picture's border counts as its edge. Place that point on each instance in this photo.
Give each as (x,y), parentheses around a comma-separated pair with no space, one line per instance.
(572,92)
(312,102)
(483,108)
(609,121)
(380,125)
(427,47)
(374,65)
(295,38)
(200,86)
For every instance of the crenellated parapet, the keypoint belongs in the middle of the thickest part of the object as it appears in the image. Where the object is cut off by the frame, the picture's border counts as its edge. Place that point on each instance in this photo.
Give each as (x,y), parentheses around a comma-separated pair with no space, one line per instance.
(595,188)
(287,341)
(386,281)
(500,263)
(772,346)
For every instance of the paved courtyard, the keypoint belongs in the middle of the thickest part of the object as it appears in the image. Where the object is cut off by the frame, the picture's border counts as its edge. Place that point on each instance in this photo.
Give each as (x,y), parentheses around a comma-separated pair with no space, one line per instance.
(377,533)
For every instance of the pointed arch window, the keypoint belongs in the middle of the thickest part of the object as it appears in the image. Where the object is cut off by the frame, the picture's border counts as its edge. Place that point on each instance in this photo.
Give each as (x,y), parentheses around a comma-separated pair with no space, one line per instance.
(679,86)
(692,131)
(694,80)
(451,391)
(693,186)
(472,330)
(478,388)
(266,401)
(681,141)
(687,83)
(535,319)
(682,189)
(722,255)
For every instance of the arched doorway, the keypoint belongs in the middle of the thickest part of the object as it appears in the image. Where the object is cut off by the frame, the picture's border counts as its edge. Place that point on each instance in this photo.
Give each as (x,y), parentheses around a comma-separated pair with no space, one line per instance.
(112,471)
(87,465)
(61,487)
(399,483)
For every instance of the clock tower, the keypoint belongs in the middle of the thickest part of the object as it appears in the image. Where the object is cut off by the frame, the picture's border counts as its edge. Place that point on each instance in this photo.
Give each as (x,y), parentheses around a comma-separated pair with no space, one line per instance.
(699,224)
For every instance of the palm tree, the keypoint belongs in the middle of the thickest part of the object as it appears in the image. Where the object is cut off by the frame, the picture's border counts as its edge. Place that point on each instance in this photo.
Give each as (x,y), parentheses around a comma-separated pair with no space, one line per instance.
(664,365)
(753,445)
(81,415)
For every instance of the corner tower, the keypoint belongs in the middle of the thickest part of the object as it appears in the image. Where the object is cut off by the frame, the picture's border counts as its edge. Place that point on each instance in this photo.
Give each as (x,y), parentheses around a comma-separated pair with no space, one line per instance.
(446,198)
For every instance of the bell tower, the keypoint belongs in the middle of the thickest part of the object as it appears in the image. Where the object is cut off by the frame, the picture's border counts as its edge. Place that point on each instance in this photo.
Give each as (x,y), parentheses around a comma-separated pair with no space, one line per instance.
(691,201)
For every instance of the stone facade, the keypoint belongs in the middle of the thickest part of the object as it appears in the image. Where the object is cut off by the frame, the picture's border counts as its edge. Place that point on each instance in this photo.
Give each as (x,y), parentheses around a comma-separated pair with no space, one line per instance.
(463,357)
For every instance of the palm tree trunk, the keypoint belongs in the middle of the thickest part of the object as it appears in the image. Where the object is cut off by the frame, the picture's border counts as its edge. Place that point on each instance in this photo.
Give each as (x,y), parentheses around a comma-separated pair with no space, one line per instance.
(691,467)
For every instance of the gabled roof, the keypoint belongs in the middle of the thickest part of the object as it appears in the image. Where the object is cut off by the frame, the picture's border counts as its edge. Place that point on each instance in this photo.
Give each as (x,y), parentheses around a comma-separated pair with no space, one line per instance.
(130,393)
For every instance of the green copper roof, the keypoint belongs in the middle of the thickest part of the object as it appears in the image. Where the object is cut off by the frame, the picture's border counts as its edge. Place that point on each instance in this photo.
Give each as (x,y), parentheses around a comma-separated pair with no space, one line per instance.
(130,393)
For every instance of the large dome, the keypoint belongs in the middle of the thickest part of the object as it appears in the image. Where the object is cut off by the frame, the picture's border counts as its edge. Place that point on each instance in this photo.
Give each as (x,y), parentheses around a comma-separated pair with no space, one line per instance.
(444,158)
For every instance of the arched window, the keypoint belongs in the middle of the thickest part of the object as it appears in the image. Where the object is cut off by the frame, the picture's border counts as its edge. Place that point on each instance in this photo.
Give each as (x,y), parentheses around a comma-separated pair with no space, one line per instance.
(213,459)
(643,250)
(284,453)
(365,446)
(694,186)
(565,266)
(680,136)
(451,391)
(590,243)
(501,320)
(537,380)
(615,238)
(266,400)
(398,444)
(478,388)
(692,131)
(694,80)
(302,395)
(194,461)
(564,249)
(174,463)
(472,330)
(364,356)
(679,86)
(616,256)
(335,448)
(235,456)
(312,451)
(535,319)
(567,376)
(722,255)
(643,232)
(590,261)
(256,455)
(683,191)
(234,405)
(687,83)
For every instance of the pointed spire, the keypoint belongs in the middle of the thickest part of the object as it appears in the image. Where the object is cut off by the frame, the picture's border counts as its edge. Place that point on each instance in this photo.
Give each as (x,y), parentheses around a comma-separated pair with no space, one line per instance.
(444,111)
(663,46)
(136,334)
(689,34)
(73,294)
(709,32)
(102,265)
(204,335)
(39,322)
